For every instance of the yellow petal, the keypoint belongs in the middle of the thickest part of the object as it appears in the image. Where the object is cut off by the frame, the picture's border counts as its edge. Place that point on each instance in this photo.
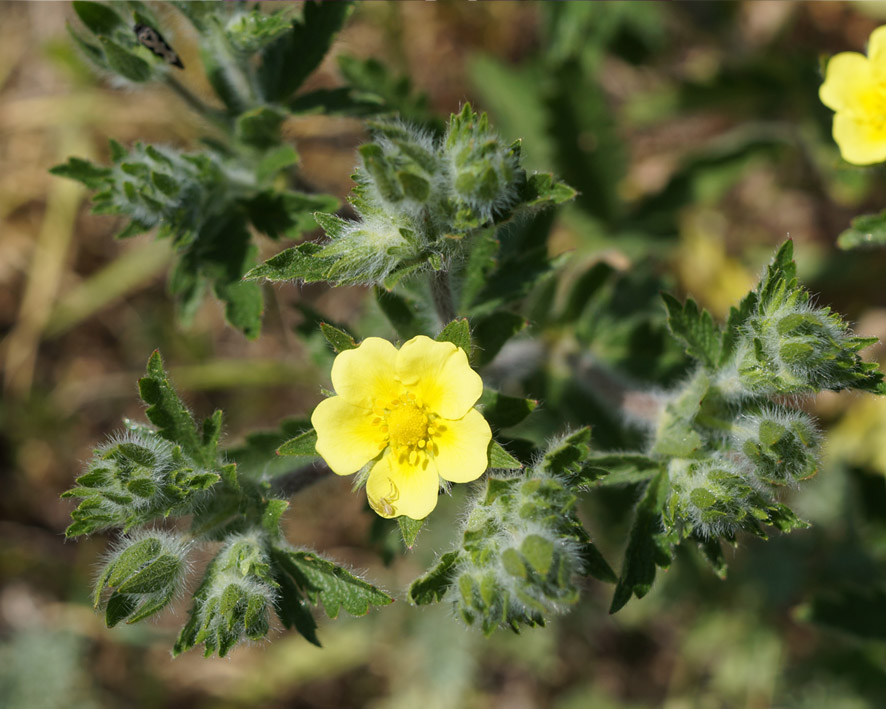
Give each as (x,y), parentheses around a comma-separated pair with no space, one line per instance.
(848,82)
(438,373)
(395,488)
(877,52)
(346,438)
(461,448)
(861,142)
(366,374)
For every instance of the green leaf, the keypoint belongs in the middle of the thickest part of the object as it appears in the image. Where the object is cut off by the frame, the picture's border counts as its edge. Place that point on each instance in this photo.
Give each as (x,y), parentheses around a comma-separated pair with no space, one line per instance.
(303,444)
(260,127)
(712,552)
(566,456)
(275,160)
(647,547)
(91,175)
(409,528)
(492,331)
(167,412)
(125,63)
(458,332)
(542,190)
(502,411)
(431,587)
(270,520)
(97,16)
(401,312)
(297,263)
(593,564)
(334,587)
(500,459)
(338,339)
(607,469)
(289,59)
(695,329)
(867,230)
(293,608)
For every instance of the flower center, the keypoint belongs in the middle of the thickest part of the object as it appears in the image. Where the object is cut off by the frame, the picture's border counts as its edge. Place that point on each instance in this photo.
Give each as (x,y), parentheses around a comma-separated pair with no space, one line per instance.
(407,427)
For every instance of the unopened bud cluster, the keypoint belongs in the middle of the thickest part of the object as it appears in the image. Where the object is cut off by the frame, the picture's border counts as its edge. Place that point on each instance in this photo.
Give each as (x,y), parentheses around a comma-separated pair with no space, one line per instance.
(144,574)
(417,196)
(236,596)
(729,446)
(134,479)
(520,554)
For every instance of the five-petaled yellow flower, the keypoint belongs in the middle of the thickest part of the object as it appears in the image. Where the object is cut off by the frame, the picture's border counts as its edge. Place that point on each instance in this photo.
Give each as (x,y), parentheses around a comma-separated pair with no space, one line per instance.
(855,87)
(410,413)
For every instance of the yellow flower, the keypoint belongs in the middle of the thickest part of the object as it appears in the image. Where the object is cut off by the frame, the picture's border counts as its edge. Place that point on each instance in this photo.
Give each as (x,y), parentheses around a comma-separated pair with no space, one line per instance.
(855,87)
(410,413)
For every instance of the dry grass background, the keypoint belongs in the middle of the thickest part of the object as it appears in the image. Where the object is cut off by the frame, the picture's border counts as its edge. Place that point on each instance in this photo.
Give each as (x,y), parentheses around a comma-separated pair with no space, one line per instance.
(81,312)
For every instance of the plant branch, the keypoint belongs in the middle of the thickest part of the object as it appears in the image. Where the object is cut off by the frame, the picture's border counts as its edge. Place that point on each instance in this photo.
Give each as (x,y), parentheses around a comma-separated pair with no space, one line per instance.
(441,291)
(294,481)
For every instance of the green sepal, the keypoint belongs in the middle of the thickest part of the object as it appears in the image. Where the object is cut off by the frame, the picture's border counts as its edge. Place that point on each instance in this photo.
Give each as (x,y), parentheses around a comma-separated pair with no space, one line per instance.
(303,444)
(338,339)
(458,332)
(409,529)
(500,459)
(120,606)
(607,469)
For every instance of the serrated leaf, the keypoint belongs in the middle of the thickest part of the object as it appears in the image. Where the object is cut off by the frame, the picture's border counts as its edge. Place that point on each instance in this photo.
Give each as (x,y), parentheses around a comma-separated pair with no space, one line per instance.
(338,339)
(167,412)
(303,444)
(458,332)
(410,528)
(866,231)
(293,608)
(299,263)
(695,329)
(542,190)
(606,469)
(593,564)
(502,411)
(91,175)
(647,546)
(431,587)
(288,60)
(275,160)
(334,587)
(270,519)
(500,459)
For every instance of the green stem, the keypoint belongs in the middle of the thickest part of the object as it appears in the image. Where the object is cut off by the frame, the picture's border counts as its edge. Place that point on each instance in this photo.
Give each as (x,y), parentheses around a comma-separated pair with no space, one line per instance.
(441,291)
(208,112)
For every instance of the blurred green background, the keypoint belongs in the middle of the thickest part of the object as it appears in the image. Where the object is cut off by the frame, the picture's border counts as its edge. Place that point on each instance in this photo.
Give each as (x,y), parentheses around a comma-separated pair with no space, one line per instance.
(695,135)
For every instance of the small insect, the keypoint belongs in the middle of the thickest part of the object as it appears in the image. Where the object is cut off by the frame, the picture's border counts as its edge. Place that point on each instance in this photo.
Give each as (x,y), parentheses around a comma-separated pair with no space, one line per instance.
(153,40)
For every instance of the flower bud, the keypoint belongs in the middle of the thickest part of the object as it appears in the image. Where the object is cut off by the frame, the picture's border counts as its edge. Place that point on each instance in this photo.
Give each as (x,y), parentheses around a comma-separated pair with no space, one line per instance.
(236,596)
(780,445)
(521,554)
(709,497)
(484,171)
(144,574)
(133,479)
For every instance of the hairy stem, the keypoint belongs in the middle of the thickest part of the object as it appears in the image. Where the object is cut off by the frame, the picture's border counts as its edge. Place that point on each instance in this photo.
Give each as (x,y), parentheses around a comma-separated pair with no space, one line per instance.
(207,111)
(442,294)
(294,481)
